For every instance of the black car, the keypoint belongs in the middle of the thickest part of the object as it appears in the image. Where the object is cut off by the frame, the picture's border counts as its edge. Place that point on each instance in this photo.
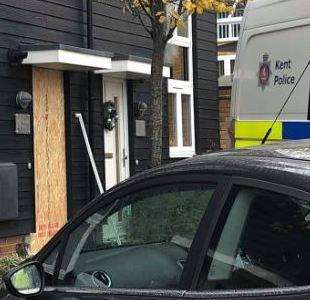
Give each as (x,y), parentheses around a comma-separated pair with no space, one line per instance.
(230,225)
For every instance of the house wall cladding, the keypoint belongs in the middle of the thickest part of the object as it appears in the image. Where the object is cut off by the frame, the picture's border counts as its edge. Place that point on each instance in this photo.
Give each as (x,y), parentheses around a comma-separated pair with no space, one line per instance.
(206,83)
(58,21)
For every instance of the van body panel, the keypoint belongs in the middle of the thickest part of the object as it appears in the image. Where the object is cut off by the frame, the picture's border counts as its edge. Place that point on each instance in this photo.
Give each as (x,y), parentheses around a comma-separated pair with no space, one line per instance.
(267,12)
(272,53)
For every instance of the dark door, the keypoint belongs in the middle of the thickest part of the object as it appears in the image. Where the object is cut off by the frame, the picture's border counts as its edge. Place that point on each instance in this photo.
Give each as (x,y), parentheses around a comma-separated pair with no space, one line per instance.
(260,247)
(138,246)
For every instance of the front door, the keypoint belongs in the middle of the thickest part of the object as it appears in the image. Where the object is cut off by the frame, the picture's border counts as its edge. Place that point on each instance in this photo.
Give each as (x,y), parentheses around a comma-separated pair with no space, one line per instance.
(116,147)
(116,139)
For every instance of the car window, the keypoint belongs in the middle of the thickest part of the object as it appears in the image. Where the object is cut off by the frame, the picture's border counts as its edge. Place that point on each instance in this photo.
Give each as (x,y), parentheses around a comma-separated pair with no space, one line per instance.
(49,264)
(264,243)
(140,241)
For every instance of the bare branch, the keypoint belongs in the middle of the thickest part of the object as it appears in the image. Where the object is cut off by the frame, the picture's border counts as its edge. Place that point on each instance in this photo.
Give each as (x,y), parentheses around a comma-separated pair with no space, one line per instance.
(137,13)
(152,19)
(150,32)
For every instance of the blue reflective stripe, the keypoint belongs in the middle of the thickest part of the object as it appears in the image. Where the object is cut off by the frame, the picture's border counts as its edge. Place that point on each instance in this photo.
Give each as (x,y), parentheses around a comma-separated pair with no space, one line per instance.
(296,130)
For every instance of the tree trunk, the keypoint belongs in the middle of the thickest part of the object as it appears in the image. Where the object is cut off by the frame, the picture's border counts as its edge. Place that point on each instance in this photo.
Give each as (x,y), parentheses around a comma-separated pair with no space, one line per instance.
(156,107)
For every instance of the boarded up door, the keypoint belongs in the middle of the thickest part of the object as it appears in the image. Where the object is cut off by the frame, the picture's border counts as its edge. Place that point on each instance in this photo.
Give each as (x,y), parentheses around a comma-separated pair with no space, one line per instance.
(49,155)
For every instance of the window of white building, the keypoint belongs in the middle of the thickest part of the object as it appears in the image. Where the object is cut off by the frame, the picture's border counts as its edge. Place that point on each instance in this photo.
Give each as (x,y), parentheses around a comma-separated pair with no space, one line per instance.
(226,64)
(180,88)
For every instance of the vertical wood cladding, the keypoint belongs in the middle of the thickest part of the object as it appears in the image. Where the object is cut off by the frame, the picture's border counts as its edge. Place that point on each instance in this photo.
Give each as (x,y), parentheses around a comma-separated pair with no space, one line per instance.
(59,21)
(16,148)
(206,83)
(79,168)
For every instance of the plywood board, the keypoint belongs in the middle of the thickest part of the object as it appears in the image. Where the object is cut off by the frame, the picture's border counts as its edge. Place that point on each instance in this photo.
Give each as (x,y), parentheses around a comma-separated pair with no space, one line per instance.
(49,155)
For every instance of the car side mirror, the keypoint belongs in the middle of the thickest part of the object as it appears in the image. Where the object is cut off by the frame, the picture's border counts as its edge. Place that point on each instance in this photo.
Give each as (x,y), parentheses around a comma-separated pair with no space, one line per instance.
(26,280)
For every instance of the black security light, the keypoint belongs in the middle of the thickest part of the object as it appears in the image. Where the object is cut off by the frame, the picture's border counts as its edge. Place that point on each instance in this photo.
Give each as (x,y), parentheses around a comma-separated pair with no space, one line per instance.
(16,56)
(23,99)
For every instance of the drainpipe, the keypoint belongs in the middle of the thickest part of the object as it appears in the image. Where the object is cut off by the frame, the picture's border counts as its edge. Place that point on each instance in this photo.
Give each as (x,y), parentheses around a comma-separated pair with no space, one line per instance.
(90,36)
(90,45)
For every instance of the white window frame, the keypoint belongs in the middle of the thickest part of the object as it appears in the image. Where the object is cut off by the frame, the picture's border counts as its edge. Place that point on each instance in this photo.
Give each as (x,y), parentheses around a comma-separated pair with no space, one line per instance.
(179,88)
(227,63)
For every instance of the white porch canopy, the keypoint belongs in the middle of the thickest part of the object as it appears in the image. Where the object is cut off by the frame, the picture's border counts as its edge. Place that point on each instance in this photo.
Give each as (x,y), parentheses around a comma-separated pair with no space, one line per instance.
(64,57)
(131,67)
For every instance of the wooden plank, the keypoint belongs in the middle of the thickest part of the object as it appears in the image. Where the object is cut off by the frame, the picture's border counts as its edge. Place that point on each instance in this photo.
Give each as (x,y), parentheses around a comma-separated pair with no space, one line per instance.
(45,8)
(41,20)
(40,33)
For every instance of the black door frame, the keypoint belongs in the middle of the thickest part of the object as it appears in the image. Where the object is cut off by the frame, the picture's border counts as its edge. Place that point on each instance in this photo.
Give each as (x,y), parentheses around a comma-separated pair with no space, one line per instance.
(302,292)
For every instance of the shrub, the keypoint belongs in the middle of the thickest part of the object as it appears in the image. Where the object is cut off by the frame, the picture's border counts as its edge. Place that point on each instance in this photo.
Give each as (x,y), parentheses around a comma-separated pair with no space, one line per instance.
(9,262)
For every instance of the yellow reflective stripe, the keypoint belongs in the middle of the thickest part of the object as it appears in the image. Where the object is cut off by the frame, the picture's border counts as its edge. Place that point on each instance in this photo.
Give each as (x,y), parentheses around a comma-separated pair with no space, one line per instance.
(255,130)
(249,143)
(246,143)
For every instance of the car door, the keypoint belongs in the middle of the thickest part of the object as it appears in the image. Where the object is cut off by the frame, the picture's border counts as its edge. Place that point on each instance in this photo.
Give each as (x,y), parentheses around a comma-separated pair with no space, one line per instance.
(260,246)
(138,242)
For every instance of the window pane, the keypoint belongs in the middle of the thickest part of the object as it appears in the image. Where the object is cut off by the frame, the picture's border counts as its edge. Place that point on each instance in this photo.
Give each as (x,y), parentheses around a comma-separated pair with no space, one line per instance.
(221,68)
(176,58)
(264,243)
(186,120)
(183,29)
(172,120)
(147,249)
(232,66)
(222,15)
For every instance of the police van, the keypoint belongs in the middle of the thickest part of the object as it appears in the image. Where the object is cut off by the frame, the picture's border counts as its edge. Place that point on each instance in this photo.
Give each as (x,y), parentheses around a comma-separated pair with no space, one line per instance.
(272,73)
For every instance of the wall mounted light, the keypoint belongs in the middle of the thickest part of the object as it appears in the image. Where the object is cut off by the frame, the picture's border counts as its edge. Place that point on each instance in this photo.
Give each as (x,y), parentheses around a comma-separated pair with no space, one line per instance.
(23,100)
(16,56)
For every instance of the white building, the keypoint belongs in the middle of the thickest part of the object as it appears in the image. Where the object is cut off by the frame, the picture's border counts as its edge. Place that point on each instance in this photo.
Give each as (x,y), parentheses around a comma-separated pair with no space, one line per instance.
(228,31)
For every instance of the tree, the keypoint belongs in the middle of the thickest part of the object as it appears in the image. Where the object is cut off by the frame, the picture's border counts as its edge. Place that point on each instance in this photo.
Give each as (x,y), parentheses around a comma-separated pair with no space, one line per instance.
(160,18)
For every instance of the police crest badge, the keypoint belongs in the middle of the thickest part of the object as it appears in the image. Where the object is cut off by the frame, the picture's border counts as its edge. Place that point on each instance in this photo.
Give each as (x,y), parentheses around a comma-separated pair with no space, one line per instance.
(264,72)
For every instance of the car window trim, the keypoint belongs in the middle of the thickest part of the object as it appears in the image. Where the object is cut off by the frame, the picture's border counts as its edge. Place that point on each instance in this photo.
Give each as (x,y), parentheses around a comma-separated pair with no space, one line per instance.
(107,199)
(266,185)
(204,233)
(259,184)
(118,292)
(271,293)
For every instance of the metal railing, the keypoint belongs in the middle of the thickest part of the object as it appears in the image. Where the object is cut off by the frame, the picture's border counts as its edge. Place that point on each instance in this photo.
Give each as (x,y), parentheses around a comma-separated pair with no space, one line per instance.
(228,29)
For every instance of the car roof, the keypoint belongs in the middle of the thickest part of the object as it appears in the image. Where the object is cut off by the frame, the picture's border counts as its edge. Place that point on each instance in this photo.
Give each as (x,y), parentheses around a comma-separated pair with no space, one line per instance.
(285,163)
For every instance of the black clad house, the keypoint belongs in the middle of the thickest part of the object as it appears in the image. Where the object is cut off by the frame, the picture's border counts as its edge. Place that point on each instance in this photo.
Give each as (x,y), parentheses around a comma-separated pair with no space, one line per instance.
(62,61)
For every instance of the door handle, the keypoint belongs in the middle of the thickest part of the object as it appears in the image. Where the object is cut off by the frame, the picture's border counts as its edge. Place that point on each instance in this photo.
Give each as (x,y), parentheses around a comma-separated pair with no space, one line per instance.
(125,157)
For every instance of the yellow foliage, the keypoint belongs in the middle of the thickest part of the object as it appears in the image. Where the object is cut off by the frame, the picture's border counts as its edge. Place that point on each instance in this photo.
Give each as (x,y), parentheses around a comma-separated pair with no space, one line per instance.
(199,7)
(180,23)
(160,16)
(189,6)
(162,19)
(175,14)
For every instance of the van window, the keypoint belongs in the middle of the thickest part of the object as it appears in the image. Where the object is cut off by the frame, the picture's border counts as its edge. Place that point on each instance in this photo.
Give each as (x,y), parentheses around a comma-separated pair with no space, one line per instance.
(264,243)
